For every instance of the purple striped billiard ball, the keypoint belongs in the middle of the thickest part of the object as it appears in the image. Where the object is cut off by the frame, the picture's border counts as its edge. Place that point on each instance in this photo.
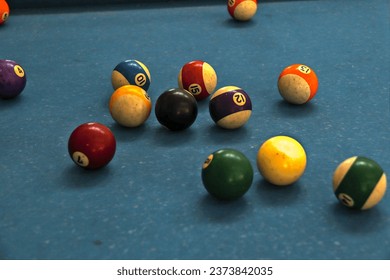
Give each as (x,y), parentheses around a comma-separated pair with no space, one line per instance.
(230,107)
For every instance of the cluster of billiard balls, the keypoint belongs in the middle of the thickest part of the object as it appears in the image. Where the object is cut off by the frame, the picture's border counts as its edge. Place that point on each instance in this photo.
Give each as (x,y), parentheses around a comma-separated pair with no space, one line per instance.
(12,74)
(227,174)
(240,10)
(358,182)
(93,145)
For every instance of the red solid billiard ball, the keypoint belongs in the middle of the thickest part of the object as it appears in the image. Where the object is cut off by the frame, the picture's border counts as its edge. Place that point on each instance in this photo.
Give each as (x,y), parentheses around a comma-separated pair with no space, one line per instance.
(12,79)
(4,11)
(298,84)
(199,78)
(242,10)
(92,145)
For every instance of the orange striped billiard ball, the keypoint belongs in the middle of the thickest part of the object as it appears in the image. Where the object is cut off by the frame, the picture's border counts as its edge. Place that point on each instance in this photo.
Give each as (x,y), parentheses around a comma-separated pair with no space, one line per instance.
(298,84)
(130,106)
(242,10)
(4,11)
(199,78)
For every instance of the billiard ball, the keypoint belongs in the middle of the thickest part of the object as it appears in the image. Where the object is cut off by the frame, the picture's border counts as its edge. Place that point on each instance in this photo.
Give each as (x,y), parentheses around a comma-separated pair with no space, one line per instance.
(227,174)
(130,106)
(4,11)
(199,78)
(242,10)
(12,79)
(131,72)
(230,107)
(281,160)
(359,182)
(298,84)
(92,145)
(176,109)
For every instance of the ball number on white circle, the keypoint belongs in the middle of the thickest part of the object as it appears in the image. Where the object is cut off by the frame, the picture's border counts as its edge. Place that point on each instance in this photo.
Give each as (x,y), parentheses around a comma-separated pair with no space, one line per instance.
(239,98)
(304,69)
(5,16)
(140,79)
(195,89)
(346,199)
(231,3)
(80,159)
(19,71)
(208,161)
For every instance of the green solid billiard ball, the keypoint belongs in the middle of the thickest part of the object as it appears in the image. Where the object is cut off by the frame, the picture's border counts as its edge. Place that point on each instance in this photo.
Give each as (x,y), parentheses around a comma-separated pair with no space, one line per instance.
(359,182)
(227,174)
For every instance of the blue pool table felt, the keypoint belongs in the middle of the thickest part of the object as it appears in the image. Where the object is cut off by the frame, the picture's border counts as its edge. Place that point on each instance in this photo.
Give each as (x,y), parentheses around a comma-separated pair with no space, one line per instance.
(149,202)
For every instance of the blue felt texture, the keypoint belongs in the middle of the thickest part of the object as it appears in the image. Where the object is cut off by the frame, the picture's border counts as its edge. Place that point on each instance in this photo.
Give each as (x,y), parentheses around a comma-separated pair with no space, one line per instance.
(149,202)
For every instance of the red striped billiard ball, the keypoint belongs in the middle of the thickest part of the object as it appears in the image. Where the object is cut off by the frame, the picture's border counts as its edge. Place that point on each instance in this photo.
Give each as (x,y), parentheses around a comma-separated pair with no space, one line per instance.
(242,10)
(230,107)
(12,79)
(199,78)
(298,84)
(92,145)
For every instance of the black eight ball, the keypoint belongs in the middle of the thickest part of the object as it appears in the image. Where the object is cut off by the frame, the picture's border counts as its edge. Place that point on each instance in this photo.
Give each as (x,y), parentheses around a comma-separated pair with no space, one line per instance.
(176,109)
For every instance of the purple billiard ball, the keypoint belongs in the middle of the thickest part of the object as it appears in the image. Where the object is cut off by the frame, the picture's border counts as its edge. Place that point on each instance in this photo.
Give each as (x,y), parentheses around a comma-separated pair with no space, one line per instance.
(12,79)
(230,107)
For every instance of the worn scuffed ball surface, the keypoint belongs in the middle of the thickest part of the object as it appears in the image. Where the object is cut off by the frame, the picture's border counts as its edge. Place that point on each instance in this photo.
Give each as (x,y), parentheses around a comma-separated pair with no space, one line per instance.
(199,78)
(359,182)
(281,160)
(298,84)
(242,10)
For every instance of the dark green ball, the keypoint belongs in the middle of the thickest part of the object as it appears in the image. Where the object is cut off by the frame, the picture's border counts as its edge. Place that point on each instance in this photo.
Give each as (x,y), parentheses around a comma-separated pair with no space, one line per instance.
(227,174)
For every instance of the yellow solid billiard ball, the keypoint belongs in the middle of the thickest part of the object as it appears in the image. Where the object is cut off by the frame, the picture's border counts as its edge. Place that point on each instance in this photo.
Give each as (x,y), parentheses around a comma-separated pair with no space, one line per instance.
(281,160)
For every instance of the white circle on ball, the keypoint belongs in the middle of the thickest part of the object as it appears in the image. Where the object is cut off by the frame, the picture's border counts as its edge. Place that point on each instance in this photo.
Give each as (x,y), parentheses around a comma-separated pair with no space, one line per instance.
(80,159)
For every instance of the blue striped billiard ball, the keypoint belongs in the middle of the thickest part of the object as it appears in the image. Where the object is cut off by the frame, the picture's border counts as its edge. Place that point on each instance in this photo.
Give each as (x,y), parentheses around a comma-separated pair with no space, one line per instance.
(131,72)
